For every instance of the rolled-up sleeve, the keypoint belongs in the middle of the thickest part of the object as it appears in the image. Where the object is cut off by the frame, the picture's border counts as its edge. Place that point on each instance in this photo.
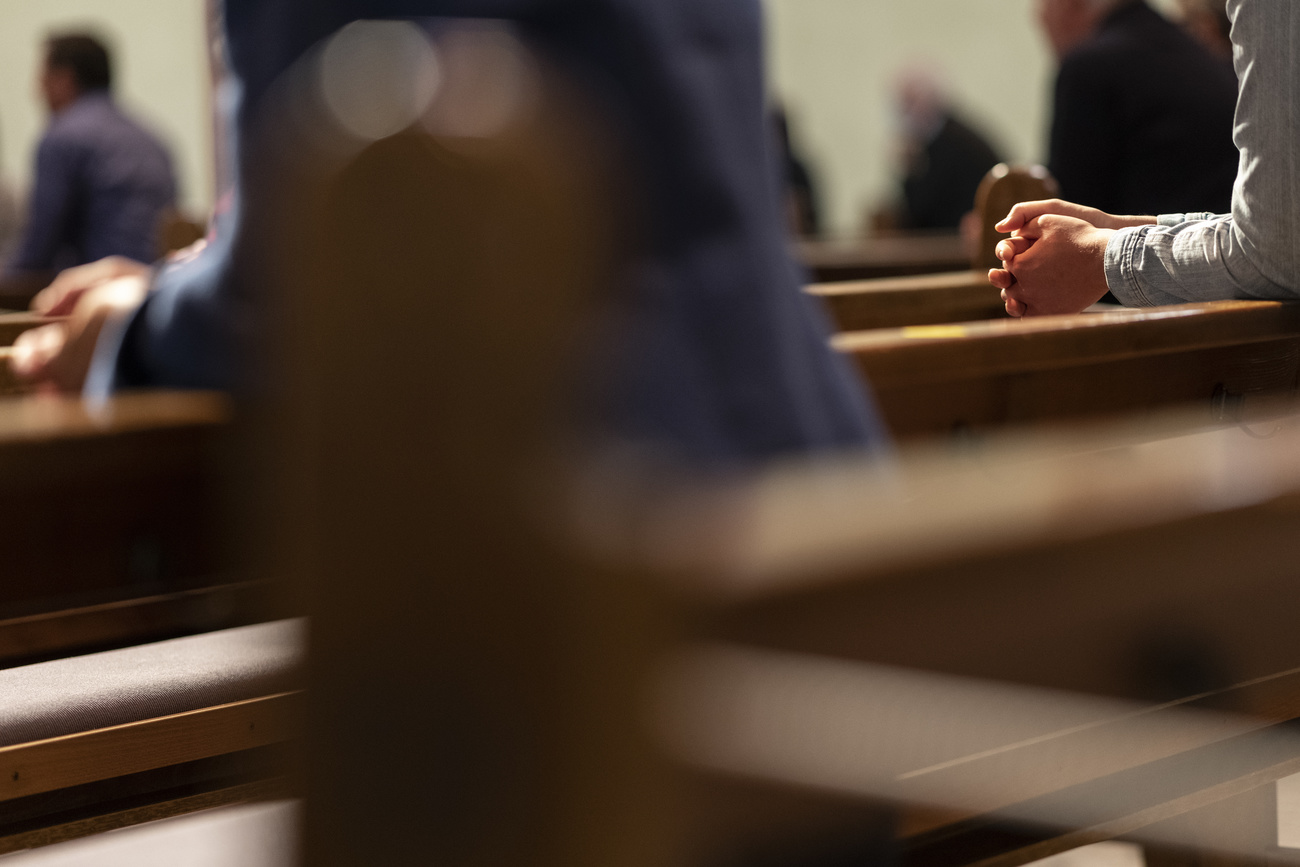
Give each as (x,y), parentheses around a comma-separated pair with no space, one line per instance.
(1252,252)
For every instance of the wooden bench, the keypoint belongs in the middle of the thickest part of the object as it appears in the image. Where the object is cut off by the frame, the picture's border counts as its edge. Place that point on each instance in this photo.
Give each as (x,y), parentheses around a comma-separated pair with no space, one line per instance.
(930,298)
(523,676)
(111,519)
(116,540)
(96,742)
(882,257)
(1152,572)
(925,299)
(1232,358)
(840,565)
(494,625)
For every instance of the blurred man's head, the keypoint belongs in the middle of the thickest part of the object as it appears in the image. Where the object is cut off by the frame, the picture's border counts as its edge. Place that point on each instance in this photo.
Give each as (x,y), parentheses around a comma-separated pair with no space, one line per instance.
(74,64)
(1067,23)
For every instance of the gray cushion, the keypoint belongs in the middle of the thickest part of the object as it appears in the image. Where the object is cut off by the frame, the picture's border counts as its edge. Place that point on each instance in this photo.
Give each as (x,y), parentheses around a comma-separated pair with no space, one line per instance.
(81,693)
(255,835)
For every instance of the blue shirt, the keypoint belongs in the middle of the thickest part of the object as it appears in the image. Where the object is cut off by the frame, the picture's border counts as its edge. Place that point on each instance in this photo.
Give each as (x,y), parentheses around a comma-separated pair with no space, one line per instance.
(726,360)
(102,185)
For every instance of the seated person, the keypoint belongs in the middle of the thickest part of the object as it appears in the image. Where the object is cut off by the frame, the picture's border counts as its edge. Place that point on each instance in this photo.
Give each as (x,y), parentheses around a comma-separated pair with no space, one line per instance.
(1142,114)
(102,182)
(1063,257)
(728,362)
(945,159)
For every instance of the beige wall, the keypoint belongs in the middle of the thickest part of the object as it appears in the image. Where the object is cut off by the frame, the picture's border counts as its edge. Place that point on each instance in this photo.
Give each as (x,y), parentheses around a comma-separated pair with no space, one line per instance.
(161,76)
(832,62)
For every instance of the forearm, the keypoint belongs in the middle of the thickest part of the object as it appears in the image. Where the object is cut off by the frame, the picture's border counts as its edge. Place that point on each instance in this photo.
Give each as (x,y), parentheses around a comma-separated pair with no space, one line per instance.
(1187,257)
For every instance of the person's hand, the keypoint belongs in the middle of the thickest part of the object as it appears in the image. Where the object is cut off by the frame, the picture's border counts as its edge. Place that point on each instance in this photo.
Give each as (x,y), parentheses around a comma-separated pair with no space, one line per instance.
(59,355)
(1053,264)
(1024,212)
(61,296)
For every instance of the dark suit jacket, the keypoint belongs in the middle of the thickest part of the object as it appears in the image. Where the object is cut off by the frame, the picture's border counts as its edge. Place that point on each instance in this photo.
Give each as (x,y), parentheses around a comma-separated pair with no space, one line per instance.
(1143,120)
(940,187)
(727,361)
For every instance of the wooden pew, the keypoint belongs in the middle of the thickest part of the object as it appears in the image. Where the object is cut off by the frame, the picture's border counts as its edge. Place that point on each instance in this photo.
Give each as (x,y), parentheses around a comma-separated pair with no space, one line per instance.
(139,684)
(1091,563)
(111,519)
(97,742)
(884,256)
(930,298)
(523,675)
(1232,358)
(895,302)
(835,562)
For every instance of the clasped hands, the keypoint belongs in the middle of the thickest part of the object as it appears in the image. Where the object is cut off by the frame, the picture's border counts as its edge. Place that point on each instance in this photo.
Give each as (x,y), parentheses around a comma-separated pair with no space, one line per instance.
(57,357)
(1054,261)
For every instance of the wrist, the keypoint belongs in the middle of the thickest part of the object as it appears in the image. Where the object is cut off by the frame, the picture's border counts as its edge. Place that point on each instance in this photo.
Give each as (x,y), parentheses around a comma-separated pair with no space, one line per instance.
(1130,222)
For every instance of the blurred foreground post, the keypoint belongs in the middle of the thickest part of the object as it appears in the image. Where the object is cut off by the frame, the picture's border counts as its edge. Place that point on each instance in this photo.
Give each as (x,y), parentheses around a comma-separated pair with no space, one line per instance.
(469,698)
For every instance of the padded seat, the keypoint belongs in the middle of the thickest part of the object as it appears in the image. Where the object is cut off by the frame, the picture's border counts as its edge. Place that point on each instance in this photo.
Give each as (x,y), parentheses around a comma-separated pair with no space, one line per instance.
(98,690)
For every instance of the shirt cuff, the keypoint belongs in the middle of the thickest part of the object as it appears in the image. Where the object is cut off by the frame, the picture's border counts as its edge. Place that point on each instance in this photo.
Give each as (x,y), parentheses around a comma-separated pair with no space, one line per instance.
(1121,278)
(1171,220)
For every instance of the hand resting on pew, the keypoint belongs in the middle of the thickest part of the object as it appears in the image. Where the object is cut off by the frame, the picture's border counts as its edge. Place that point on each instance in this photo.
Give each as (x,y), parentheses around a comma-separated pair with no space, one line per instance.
(89,296)
(1054,261)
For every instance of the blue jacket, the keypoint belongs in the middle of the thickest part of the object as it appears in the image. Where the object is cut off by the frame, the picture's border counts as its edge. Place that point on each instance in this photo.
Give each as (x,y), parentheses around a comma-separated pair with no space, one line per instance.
(728,362)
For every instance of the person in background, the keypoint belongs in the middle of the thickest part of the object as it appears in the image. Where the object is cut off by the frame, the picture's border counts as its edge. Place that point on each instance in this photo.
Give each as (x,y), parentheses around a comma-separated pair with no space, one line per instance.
(727,362)
(944,157)
(10,219)
(1142,114)
(102,181)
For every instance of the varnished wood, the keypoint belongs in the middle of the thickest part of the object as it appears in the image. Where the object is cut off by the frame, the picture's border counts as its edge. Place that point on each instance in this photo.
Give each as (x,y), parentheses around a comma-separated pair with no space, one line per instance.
(1220,355)
(884,256)
(933,298)
(1053,562)
(131,620)
(1003,188)
(103,754)
(897,302)
(136,482)
(452,641)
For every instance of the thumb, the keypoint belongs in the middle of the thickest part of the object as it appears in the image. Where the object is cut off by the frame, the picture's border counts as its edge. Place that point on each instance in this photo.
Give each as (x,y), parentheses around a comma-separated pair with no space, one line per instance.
(1031,230)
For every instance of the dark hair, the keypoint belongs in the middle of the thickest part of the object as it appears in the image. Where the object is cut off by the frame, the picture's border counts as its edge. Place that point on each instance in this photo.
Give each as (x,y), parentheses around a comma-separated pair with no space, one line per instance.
(85,56)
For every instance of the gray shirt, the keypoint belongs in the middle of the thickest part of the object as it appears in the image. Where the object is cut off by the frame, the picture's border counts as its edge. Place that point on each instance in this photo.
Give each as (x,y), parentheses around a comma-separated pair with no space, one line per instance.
(1252,252)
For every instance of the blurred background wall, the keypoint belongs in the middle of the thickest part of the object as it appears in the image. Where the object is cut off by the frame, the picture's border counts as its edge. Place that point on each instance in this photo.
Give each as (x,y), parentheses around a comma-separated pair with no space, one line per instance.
(832,63)
(161,76)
